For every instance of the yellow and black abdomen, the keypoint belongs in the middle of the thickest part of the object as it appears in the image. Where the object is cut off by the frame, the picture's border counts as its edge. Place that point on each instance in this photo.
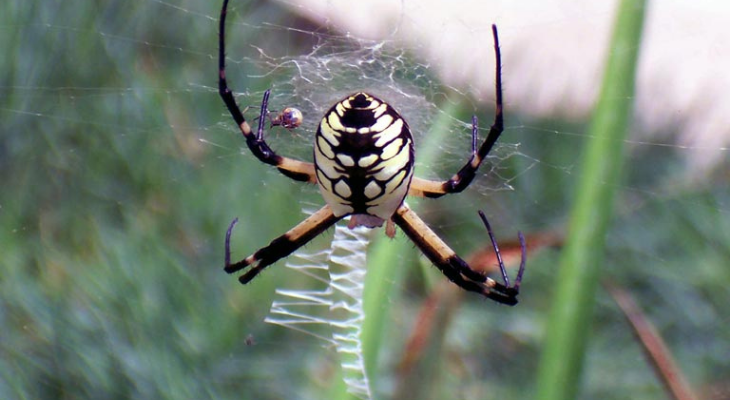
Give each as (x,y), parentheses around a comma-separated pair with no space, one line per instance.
(363,155)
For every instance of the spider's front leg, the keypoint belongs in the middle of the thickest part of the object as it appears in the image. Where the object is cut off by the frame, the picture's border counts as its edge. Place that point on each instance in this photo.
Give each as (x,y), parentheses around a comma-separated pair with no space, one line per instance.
(453,266)
(280,247)
(294,169)
(462,179)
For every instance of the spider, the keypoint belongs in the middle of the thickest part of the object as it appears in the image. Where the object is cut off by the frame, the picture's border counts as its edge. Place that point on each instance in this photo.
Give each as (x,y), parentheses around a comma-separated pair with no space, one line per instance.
(363,165)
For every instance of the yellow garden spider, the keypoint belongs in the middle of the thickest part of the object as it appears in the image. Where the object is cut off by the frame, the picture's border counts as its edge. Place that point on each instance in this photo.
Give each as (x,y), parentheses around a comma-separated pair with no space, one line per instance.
(363,165)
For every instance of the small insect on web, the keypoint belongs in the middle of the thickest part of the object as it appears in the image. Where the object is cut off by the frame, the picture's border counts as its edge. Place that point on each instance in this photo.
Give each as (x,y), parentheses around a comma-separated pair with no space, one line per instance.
(288,118)
(363,165)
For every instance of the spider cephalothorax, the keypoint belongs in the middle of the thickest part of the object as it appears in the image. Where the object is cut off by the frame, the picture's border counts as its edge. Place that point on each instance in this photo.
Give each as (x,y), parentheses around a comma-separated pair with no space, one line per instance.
(363,164)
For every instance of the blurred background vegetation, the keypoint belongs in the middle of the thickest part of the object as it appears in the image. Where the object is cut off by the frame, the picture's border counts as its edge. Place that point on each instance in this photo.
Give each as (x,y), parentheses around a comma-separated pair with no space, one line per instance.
(121,170)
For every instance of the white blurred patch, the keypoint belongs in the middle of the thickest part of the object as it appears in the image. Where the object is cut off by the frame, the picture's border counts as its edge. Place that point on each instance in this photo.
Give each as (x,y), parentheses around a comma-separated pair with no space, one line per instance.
(553,53)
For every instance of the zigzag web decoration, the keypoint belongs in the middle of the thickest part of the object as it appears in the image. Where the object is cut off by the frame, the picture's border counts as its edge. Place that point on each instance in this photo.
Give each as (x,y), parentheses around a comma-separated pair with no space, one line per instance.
(337,305)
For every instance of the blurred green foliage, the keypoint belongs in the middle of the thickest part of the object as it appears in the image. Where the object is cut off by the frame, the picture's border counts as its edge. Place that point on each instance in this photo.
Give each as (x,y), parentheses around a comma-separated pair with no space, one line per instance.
(581,261)
(121,170)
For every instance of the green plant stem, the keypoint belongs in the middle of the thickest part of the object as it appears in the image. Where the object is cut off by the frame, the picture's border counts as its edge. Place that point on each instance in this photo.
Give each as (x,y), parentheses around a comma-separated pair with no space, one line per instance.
(577,280)
(386,255)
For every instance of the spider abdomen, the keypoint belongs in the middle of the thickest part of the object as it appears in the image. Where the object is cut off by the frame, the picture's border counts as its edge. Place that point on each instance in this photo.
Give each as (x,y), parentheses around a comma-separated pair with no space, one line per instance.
(363,155)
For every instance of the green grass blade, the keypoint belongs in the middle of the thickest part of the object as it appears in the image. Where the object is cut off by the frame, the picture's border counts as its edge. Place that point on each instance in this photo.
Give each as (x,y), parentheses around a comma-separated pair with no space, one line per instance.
(577,280)
(386,257)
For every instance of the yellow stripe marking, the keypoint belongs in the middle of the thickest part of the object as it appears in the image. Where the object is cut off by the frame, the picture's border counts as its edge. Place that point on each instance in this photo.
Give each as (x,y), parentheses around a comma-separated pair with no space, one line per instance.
(388,202)
(325,148)
(342,190)
(326,166)
(392,149)
(346,160)
(372,190)
(392,166)
(378,111)
(388,134)
(395,182)
(324,181)
(328,133)
(382,123)
(334,121)
(368,160)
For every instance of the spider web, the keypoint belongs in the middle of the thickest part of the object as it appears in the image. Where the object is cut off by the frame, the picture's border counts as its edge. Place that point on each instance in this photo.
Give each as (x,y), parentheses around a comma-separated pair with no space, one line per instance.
(337,65)
(121,170)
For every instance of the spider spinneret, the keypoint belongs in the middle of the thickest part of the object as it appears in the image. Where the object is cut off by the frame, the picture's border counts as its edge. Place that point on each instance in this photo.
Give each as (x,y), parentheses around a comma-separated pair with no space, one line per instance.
(363,165)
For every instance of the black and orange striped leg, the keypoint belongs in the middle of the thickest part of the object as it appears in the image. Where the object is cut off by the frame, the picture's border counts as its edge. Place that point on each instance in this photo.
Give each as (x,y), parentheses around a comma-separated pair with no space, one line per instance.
(453,266)
(462,179)
(280,247)
(294,169)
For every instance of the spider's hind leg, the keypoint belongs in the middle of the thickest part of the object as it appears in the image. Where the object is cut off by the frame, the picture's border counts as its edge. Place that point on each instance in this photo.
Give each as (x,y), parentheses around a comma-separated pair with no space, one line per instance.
(502,269)
(280,247)
(453,266)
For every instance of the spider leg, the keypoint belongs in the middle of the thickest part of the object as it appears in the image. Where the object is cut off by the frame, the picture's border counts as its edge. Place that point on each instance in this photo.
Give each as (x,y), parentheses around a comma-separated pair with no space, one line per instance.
(523,257)
(462,179)
(502,269)
(294,169)
(280,247)
(453,266)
